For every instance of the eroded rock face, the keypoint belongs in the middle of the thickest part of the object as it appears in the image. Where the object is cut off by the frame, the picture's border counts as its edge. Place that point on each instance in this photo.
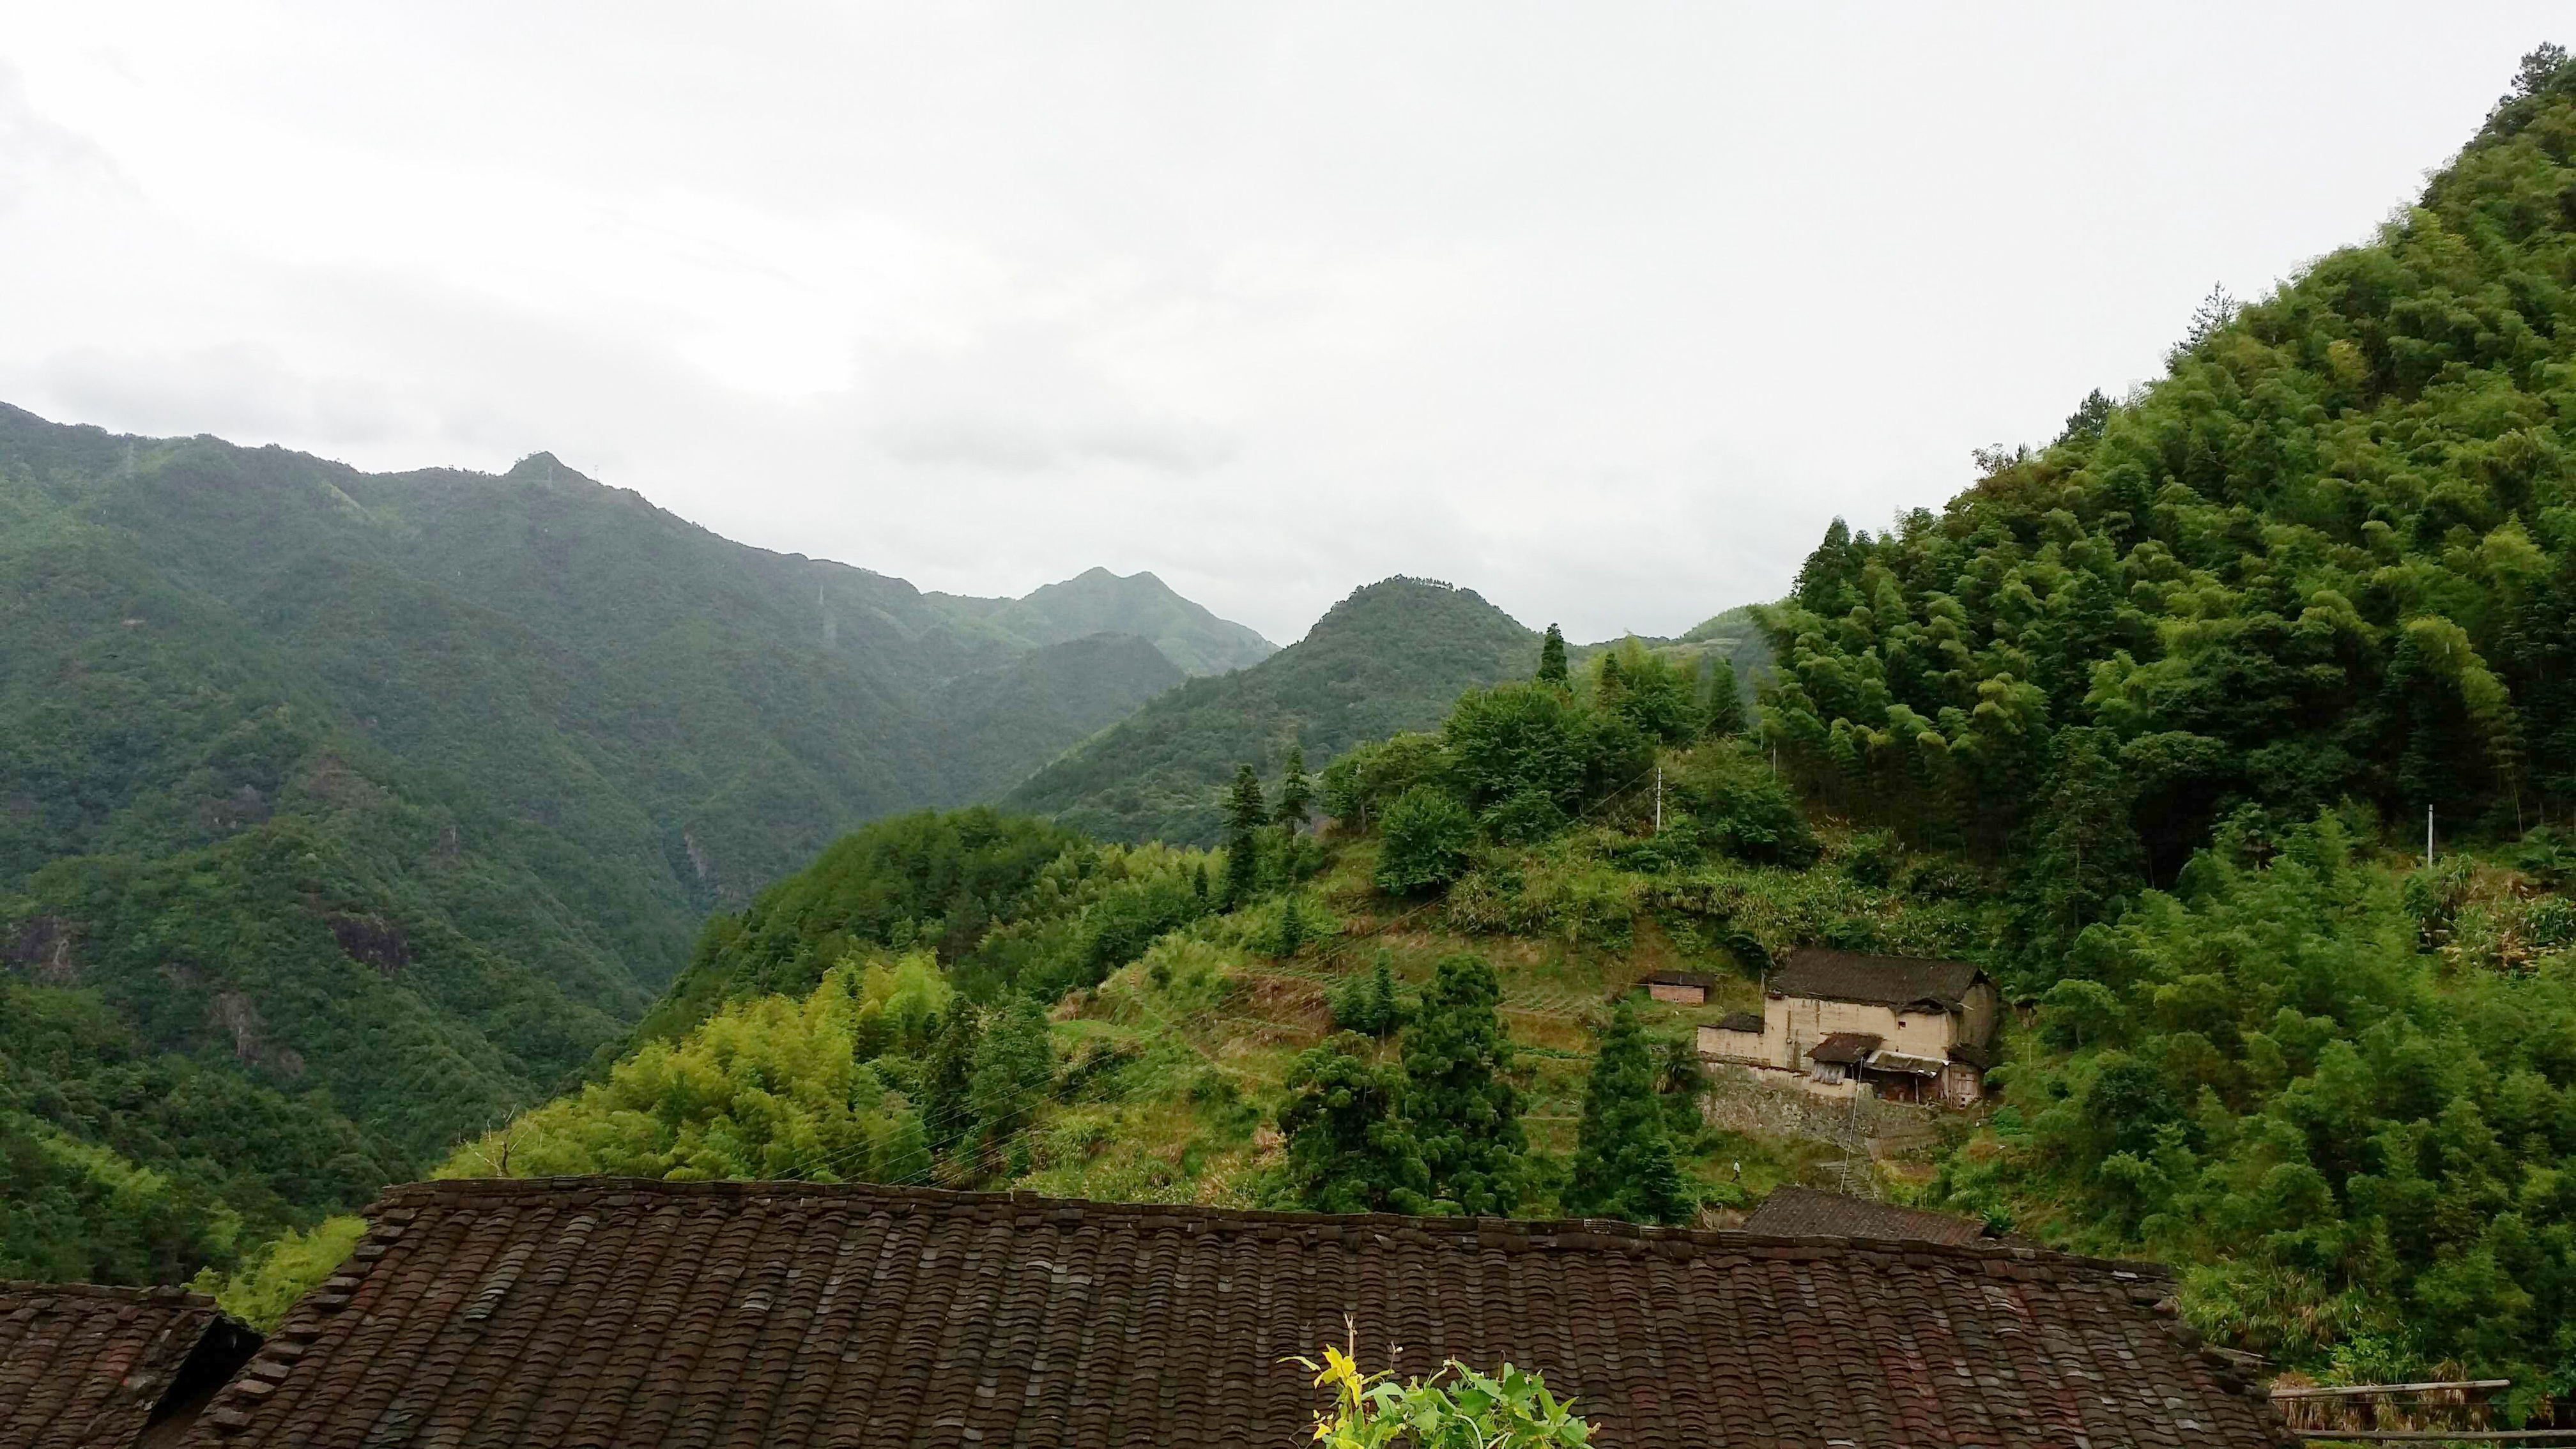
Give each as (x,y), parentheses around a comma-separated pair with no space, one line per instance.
(373,940)
(42,947)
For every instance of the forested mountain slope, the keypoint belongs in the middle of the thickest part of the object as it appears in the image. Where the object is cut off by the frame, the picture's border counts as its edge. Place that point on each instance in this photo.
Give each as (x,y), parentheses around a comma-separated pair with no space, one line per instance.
(2330,555)
(1100,602)
(381,802)
(1393,656)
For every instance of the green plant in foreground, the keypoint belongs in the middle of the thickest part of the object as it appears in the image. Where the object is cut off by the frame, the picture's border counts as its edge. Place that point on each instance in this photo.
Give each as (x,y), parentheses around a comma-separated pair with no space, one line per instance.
(1507,1409)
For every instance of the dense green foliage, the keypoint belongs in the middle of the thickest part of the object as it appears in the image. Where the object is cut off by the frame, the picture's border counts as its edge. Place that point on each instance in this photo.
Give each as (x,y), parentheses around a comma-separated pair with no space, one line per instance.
(1005,901)
(2330,555)
(1520,764)
(1391,657)
(1441,1132)
(1349,1147)
(267,1285)
(2258,1073)
(772,1087)
(1623,1167)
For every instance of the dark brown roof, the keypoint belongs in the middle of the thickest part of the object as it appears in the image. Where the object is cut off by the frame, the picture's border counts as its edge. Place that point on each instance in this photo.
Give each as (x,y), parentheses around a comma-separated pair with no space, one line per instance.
(1803,1212)
(591,1312)
(1843,1046)
(1878,980)
(1740,1021)
(1679,978)
(92,1366)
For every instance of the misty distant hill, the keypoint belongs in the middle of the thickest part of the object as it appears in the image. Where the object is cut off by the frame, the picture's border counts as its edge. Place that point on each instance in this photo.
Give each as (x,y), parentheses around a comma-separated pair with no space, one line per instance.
(1393,656)
(1100,602)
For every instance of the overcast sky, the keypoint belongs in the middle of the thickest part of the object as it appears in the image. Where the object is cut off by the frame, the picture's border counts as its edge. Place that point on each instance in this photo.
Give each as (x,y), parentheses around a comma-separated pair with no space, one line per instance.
(1602,310)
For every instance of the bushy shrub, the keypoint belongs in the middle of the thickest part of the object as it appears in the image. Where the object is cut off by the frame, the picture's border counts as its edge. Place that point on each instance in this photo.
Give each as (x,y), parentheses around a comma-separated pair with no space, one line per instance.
(1428,836)
(1739,807)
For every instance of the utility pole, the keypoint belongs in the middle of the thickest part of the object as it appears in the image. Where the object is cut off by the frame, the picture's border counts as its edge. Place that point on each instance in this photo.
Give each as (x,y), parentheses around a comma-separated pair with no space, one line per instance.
(1659,797)
(2428,837)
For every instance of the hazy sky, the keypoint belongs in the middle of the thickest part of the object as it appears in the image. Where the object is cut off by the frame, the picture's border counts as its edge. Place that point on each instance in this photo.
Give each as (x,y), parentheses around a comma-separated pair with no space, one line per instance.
(1603,310)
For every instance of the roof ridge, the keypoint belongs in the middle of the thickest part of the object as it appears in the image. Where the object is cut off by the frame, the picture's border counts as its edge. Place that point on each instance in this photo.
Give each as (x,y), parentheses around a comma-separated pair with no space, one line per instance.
(154,1293)
(418,1194)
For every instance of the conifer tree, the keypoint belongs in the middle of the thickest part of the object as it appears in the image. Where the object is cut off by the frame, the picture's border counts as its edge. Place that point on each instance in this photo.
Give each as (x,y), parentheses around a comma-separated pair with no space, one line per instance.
(1296,791)
(945,1102)
(1725,706)
(1463,1113)
(1551,657)
(1349,1149)
(1294,929)
(1623,1160)
(1245,811)
(1368,1004)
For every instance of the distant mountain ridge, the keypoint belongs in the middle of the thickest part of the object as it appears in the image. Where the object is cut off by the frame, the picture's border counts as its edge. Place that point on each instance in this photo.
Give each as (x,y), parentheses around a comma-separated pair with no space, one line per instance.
(1100,602)
(1391,657)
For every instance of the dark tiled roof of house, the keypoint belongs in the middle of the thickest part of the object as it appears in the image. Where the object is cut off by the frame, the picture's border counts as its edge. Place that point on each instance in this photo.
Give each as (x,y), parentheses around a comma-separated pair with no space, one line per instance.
(1803,1212)
(592,1312)
(91,1366)
(1843,1046)
(1878,980)
(1741,1021)
(1701,980)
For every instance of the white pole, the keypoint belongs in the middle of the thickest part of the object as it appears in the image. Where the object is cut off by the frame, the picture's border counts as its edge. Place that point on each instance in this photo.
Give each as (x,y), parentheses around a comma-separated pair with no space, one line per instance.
(1659,797)
(2428,837)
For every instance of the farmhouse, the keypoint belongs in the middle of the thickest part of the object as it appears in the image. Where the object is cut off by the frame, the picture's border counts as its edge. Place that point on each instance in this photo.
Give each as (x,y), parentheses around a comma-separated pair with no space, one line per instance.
(646,1314)
(110,1368)
(1840,1023)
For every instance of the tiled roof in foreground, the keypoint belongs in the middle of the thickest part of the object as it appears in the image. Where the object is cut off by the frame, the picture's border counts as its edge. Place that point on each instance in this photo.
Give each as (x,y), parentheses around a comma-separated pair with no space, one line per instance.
(596,1312)
(91,1366)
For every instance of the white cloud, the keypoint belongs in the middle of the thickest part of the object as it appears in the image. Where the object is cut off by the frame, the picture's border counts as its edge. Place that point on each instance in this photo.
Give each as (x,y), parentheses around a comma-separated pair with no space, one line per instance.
(1601,311)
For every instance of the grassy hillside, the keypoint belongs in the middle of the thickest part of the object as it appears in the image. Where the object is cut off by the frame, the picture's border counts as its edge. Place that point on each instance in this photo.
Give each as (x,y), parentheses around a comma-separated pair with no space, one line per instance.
(1100,602)
(385,802)
(1392,656)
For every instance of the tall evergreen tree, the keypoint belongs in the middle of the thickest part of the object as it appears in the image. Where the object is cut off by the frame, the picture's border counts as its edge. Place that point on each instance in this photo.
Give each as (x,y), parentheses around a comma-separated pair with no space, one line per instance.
(1245,811)
(1349,1150)
(2089,418)
(1551,657)
(1623,1160)
(1463,1113)
(949,1113)
(1296,791)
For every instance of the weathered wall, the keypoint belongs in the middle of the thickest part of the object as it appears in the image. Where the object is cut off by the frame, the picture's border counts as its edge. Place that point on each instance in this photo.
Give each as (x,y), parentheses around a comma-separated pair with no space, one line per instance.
(1792,1024)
